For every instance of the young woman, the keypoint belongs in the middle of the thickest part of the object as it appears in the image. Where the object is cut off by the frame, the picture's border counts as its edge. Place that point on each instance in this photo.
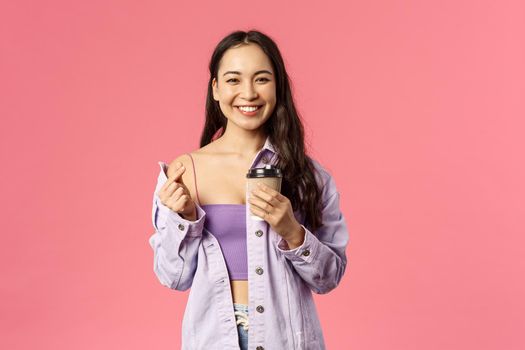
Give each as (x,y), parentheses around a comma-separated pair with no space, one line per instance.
(248,277)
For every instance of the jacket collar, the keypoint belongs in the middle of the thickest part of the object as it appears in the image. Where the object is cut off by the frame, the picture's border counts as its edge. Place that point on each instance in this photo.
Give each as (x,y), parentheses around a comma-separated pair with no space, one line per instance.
(268,145)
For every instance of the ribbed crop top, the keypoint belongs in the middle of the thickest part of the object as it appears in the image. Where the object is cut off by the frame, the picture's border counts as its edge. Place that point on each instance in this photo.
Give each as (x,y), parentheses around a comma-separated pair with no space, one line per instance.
(227,222)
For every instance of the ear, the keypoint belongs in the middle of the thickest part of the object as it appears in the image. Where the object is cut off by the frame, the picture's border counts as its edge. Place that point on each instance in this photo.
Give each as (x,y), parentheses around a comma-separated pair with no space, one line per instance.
(214,88)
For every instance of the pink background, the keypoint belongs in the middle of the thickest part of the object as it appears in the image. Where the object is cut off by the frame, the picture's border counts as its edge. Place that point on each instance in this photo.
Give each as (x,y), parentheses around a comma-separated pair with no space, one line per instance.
(415,107)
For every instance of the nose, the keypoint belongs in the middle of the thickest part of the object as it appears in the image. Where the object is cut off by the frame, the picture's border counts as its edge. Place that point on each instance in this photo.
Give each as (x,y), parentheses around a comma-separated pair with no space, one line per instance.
(248,91)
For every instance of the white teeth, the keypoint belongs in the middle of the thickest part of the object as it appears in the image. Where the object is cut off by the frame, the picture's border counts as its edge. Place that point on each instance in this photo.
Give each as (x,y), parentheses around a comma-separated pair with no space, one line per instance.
(248,109)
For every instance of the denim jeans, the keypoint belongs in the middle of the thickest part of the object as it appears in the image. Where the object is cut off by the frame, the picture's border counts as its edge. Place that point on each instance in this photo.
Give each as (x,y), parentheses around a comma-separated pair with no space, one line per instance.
(241,317)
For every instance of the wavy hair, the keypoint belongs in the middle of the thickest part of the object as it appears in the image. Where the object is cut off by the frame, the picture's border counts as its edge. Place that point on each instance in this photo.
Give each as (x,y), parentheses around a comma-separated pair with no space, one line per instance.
(284,128)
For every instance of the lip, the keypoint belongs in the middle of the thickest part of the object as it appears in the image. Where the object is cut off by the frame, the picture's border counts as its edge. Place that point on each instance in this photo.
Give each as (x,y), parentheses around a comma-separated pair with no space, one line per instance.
(248,105)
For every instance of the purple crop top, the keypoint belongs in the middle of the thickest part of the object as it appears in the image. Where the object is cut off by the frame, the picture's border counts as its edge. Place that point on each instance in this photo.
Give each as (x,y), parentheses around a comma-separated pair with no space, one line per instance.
(227,222)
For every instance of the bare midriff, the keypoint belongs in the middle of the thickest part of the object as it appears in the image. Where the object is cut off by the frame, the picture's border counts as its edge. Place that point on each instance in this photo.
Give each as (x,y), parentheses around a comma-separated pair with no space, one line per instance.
(240,291)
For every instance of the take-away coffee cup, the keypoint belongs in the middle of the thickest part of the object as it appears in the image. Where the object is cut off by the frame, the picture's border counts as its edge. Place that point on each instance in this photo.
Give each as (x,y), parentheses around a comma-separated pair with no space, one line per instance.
(269,175)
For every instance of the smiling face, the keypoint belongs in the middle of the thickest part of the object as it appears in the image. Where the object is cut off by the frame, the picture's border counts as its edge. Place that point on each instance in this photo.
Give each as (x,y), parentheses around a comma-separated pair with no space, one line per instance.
(245,88)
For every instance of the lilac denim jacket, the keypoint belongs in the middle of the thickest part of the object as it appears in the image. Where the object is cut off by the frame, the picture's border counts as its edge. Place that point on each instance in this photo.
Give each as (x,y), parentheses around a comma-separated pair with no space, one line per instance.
(282,313)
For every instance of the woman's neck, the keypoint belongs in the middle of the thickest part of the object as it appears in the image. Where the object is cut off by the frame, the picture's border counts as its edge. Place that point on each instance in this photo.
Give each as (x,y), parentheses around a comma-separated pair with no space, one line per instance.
(243,142)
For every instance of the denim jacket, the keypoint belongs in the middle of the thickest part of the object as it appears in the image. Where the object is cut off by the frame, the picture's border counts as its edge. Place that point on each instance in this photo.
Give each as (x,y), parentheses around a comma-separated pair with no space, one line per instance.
(281,310)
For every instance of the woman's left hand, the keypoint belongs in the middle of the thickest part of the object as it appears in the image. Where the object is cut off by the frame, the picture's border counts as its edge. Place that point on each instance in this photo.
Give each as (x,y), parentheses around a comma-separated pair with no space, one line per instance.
(276,209)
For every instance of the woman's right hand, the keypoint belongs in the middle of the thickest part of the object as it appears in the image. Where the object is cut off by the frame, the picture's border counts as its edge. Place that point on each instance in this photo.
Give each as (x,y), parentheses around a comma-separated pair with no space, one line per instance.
(175,195)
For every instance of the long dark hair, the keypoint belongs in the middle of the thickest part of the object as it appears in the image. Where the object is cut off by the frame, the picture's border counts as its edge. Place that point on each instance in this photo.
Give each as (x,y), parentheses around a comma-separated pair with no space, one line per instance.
(284,128)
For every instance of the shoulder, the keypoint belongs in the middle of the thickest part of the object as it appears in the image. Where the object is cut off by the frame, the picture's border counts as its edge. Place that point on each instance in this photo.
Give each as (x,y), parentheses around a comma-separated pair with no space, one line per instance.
(324,178)
(321,171)
(188,160)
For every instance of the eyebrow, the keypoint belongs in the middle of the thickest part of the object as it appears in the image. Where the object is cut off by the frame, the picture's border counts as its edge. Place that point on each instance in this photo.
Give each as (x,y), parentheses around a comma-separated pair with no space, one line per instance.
(239,73)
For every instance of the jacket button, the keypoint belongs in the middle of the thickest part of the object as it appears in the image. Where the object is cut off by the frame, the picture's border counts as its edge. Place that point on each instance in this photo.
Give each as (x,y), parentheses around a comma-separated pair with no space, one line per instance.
(259,271)
(306,252)
(260,309)
(181,227)
(259,348)
(258,233)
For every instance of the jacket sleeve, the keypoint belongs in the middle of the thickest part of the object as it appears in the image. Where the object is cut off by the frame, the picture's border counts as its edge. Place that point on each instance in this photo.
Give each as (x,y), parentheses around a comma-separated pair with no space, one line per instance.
(321,259)
(175,242)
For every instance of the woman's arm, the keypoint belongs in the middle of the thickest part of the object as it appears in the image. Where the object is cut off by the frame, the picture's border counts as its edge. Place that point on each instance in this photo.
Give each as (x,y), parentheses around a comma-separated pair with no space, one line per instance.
(175,241)
(321,259)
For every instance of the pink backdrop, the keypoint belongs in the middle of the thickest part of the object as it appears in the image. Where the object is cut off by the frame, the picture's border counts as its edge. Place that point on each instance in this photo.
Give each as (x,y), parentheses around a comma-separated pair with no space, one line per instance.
(415,107)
